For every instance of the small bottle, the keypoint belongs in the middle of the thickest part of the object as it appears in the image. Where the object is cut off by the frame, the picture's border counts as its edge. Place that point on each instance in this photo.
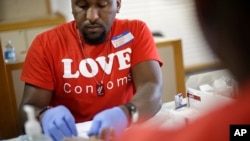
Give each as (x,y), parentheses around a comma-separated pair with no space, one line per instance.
(32,126)
(9,52)
(178,100)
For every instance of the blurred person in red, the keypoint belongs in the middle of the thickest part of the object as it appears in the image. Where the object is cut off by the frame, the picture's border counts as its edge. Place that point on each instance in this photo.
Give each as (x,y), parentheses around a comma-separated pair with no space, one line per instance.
(225,25)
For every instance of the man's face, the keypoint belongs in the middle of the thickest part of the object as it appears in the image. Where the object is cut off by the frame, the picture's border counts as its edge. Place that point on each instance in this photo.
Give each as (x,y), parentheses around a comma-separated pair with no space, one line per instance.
(94,18)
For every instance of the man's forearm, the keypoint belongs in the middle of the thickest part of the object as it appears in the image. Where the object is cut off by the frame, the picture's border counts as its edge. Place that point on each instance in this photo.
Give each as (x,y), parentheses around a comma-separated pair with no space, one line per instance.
(148,100)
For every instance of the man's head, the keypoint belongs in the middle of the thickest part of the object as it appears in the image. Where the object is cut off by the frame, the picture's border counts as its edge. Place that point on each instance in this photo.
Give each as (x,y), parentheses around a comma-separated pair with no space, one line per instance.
(94,18)
(226,26)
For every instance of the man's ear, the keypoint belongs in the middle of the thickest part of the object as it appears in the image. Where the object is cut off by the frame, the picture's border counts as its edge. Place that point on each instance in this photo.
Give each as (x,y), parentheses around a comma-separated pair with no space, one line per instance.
(118,3)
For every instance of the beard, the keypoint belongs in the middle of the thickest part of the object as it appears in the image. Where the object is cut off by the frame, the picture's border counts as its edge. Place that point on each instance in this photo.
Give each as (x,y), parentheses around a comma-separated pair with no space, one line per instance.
(94,41)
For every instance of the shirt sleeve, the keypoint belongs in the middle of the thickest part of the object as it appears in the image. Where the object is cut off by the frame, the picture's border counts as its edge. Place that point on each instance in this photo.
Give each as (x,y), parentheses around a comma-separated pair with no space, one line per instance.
(36,69)
(144,47)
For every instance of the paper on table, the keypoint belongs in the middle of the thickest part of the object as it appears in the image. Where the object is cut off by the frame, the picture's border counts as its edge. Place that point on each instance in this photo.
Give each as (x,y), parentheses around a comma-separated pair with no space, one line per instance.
(83,128)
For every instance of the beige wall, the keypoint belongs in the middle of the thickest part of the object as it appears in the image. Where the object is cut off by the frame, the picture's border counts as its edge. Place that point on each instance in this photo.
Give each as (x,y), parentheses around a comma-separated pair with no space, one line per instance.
(13,10)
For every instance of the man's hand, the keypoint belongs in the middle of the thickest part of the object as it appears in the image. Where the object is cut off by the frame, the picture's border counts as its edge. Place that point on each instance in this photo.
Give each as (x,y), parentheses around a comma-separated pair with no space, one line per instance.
(58,123)
(113,120)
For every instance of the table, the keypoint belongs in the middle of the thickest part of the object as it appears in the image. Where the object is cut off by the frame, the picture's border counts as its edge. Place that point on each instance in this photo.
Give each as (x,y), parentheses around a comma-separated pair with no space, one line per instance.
(167,117)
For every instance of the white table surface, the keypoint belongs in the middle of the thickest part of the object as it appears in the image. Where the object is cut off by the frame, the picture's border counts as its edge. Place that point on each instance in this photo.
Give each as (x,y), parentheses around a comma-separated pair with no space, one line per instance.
(167,117)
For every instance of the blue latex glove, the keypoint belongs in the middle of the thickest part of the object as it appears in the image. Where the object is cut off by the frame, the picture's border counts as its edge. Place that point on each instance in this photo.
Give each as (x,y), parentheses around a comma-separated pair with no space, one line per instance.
(58,123)
(113,118)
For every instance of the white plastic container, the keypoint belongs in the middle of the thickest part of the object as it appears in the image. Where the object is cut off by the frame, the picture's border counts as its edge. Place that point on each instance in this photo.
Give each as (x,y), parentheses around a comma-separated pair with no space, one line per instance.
(32,126)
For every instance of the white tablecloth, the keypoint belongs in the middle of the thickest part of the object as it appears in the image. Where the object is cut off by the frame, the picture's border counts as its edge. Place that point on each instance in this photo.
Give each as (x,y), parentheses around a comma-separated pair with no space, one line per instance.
(167,117)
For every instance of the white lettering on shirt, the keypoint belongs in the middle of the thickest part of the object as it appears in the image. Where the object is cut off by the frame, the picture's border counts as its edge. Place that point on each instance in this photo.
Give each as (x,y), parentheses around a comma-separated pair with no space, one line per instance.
(123,57)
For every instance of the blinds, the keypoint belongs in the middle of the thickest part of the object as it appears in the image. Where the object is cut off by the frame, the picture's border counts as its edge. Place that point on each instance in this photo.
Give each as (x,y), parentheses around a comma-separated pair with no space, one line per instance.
(175,19)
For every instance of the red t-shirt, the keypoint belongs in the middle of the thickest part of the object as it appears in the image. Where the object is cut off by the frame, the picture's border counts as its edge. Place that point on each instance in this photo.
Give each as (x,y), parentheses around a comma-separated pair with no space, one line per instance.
(214,126)
(56,62)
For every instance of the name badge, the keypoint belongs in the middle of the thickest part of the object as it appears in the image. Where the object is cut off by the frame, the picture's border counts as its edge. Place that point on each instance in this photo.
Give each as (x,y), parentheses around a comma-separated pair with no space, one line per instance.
(122,39)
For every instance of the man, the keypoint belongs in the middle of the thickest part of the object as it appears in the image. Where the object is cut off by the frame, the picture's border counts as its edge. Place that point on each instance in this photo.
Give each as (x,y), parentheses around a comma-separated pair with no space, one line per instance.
(225,25)
(95,68)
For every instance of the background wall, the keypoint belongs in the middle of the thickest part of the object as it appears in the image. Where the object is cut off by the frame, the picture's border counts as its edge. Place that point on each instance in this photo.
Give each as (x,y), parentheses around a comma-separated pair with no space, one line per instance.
(62,6)
(174,18)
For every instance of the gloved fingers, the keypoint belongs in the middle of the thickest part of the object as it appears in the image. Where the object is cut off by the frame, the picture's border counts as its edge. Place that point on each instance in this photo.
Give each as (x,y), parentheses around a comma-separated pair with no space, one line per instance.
(47,127)
(61,125)
(70,122)
(110,118)
(94,129)
(118,123)
(55,133)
